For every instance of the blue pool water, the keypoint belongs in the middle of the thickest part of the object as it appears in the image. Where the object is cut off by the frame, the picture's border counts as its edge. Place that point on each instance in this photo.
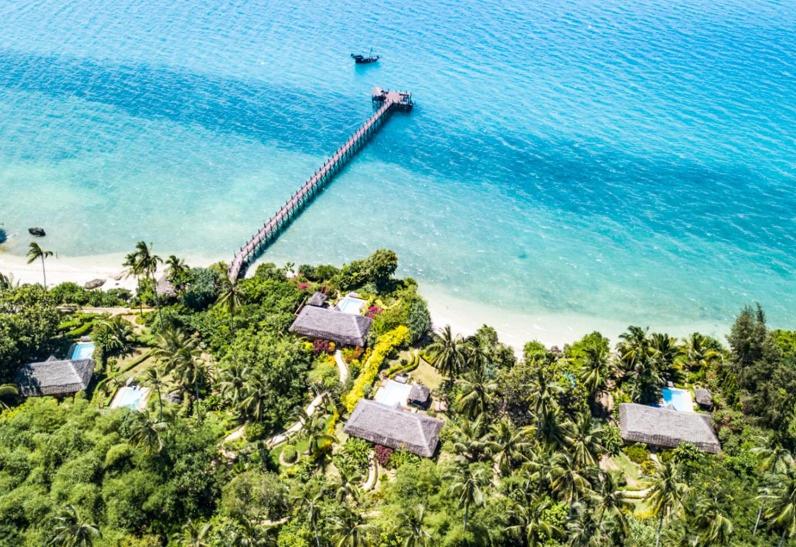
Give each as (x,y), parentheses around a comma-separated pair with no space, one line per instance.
(680,399)
(623,160)
(82,350)
(132,397)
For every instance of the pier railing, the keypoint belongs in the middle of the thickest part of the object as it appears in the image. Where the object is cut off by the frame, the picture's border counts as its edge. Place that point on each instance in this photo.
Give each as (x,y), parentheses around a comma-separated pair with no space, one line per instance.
(388,101)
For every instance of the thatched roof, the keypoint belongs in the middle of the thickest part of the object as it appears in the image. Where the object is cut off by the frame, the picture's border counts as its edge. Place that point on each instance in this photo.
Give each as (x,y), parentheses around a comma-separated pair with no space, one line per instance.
(165,288)
(317,299)
(419,395)
(703,397)
(399,429)
(54,377)
(326,324)
(666,428)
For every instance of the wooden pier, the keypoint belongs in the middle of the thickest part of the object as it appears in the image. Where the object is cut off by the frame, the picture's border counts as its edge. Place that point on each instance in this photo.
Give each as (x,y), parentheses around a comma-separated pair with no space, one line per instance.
(386,102)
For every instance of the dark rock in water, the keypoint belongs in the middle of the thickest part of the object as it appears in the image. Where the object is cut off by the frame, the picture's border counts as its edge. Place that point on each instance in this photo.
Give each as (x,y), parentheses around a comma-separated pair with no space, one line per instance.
(38,232)
(94,284)
(3,236)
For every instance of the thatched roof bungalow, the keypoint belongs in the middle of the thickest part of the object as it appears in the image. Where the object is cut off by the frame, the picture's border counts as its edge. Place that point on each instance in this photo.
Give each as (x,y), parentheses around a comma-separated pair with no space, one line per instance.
(703,398)
(395,428)
(325,324)
(53,377)
(318,299)
(419,396)
(665,428)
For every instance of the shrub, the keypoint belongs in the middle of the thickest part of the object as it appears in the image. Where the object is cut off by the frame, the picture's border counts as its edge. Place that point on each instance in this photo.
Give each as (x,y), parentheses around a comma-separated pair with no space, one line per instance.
(255,431)
(637,453)
(383,454)
(386,344)
(289,454)
(400,458)
(201,289)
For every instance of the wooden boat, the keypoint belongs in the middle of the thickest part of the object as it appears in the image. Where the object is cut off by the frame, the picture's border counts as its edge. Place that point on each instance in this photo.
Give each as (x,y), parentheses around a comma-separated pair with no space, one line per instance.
(364,59)
(36,231)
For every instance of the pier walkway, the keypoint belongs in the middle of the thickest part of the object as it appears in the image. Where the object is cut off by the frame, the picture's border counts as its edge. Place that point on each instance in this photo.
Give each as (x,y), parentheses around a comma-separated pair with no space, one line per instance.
(388,102)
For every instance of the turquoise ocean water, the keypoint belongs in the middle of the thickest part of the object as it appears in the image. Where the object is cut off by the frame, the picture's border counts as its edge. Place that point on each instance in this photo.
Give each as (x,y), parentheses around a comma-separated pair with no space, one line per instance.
(623,160)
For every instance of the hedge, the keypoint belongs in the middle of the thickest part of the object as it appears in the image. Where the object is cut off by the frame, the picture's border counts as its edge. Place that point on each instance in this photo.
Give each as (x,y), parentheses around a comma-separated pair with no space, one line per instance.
(384,346)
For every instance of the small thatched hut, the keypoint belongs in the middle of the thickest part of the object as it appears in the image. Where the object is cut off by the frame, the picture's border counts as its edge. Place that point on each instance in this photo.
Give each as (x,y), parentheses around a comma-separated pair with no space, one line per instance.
(419,396)
(56,378)
(318,299)
(390,426)
(664,428)
(703,398)
(325,324)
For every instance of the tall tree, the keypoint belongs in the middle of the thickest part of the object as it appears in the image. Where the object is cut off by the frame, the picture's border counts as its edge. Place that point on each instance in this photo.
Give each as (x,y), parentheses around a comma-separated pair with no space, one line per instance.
(70,529)
(665,496)
(467,483)
(447,352)
(153,378)
(230,297)
(508,444)
(475,393)
(35,252)
(145,432)
(142,263)
(780,498)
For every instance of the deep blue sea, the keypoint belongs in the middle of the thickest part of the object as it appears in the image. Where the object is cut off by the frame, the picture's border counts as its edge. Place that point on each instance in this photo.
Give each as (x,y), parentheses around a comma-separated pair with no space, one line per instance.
(625,160)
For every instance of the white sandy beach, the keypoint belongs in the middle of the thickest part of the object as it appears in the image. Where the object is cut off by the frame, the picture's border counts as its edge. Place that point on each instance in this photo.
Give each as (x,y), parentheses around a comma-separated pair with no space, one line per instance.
(464,316)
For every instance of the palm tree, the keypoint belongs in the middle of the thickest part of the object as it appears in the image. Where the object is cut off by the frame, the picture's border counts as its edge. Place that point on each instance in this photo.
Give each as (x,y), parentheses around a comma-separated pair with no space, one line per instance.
(666,495)
(141,263)
(231,297)
(311,505)
(350,528)
(410,527)
(699,352)
(775,459)
(713,527)
(71,530)
(113,336)
(447,353)
(544,392)
(665,351)
(35,252)
(585,441)
(315,431)
(194,534)
(7,391)
(475,393)
(347,490)
(7,282)
(568,480)
(176,269)
(611,503)
(551,427)
(780,498)
(471,440)
(145,432)
(531,525)
(234,384)
(508,444)
(596,371)
(467,483)
(180,354)
(154,379)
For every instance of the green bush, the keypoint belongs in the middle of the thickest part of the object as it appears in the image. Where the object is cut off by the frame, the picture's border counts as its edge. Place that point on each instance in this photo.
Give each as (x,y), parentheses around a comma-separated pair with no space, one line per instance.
(400,458)
(289,454)
(201,289)
(637,453)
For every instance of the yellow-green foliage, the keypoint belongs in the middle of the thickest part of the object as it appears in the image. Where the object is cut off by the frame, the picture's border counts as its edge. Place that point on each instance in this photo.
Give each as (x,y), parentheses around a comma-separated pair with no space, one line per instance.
(385,344)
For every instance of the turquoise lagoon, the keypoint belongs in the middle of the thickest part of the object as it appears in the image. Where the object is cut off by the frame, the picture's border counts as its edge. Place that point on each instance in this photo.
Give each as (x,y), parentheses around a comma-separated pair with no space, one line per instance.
(632,162)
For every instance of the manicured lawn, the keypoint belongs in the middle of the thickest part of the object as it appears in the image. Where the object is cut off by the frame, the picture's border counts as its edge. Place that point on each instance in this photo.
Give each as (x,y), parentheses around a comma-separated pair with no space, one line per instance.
(427,375)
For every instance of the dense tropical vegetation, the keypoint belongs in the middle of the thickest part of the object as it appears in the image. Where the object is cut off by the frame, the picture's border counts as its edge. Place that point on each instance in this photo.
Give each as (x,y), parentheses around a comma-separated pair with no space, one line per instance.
(530,454)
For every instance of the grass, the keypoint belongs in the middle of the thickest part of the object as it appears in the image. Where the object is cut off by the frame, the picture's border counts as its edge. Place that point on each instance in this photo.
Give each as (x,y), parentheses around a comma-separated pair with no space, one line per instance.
(427,375)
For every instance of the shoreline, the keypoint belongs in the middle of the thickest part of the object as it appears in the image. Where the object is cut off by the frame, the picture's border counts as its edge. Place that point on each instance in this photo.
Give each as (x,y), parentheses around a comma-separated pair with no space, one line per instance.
(514,328)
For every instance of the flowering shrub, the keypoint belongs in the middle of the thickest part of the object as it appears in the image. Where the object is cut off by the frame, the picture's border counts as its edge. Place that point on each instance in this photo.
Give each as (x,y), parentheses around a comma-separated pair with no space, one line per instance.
(323,346)
(373,311)
(384,346)
(303,285)
(383,454)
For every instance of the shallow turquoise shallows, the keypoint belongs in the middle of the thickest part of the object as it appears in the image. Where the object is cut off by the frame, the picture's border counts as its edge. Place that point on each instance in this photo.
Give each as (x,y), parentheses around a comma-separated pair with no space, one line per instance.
(622,160)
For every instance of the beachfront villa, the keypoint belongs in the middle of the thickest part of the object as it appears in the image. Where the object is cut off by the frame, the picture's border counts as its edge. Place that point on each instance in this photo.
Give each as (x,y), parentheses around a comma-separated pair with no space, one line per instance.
(666,428)
(319,323)
(54,377)
(395,428)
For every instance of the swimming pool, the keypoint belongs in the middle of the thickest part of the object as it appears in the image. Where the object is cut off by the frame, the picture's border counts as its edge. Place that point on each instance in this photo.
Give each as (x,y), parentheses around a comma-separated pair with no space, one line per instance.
(351,304)
(680,399)
(82,350)
(132,397)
